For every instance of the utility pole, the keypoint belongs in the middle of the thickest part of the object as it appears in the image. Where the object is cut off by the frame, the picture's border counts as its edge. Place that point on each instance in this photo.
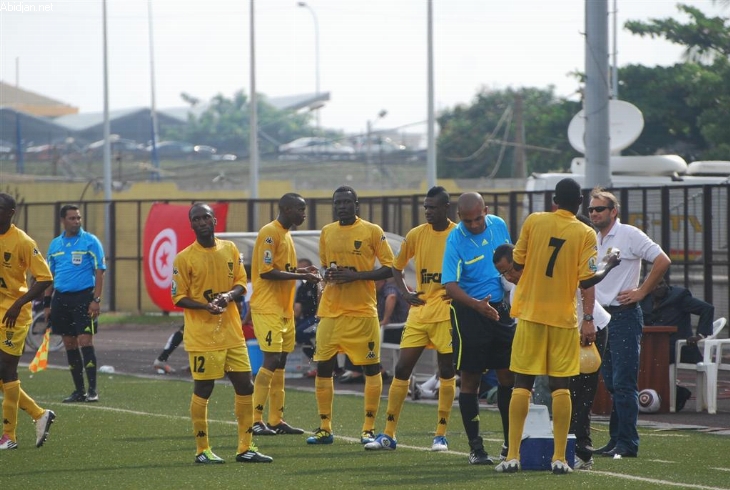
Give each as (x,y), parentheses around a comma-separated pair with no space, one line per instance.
(595,105)
(519,169)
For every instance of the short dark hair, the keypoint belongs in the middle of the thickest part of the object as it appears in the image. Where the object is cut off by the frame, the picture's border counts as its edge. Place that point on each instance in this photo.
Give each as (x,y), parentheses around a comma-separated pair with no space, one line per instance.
(503,251)
(345,188)
(200,205)
(436,191)
(8,200)
(289,199)
(66,208)
(567,193)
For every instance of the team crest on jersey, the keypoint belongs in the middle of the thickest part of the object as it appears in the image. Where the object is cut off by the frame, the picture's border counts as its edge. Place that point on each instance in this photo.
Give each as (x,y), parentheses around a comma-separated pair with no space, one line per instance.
(268,257)
(269,240)
(7,256)
(592,264)
(9,339)
(358,244)
(230,267)
(371,351)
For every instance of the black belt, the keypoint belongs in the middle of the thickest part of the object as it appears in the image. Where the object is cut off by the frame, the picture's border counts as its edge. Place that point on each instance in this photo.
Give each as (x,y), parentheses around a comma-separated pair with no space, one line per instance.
(617,308)
(71,293)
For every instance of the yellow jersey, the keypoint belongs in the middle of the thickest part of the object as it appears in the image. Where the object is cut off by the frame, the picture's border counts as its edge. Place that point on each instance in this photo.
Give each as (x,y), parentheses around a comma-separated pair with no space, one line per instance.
(356,247)
(427,247)
(19,254)
(274,249)
(201,273)
(558,252)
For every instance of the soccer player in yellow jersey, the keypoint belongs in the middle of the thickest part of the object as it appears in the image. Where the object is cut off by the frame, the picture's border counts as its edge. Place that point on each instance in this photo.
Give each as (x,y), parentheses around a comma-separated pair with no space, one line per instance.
(428,323)
(208,278)
(20,255)
(348,309)
(274,279)
(556,253)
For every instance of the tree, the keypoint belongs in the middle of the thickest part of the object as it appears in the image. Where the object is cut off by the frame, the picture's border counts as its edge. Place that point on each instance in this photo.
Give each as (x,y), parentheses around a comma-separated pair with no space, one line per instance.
(670,121)
(704,37)
(693,97)
(224,124)
(465,149)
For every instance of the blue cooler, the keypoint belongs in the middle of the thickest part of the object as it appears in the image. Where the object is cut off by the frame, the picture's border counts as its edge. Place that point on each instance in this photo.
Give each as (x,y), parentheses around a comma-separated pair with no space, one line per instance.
(536,449)
(536,453)
(254,355)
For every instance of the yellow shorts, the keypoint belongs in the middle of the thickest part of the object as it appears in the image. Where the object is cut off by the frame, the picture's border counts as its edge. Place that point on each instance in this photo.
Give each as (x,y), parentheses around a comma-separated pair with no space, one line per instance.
(542,349)
(274,333)
(215,364)
(430,335)
(12,340)
(357,337)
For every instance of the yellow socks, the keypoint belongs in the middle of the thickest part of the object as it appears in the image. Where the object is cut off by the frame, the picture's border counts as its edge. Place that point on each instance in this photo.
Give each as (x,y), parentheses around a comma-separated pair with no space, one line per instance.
(276,398)
(324,392)
(396,397)
(447,392)
(10,408)
(199,414)
(243,408)
(562,407)
(518,408)
(373,390)
(261,389)
(27,404)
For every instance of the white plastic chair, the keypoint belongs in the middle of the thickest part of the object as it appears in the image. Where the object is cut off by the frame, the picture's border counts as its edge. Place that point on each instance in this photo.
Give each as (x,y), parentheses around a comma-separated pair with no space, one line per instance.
(425,367)
(393,348)
(706,370)
(712,360)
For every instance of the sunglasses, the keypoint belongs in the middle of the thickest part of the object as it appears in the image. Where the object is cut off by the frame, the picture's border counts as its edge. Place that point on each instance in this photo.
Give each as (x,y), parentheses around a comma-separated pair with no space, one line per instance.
(504,274)
(598,209)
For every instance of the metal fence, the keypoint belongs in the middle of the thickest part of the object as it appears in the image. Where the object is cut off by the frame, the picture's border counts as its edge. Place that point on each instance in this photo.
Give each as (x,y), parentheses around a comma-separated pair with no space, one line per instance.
(690,223)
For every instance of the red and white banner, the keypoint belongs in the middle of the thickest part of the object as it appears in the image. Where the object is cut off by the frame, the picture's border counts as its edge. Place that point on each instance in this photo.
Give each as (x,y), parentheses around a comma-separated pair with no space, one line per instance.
(166,232)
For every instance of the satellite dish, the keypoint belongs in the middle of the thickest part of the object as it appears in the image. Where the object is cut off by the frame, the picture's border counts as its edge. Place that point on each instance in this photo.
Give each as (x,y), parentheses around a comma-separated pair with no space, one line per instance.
(625,126)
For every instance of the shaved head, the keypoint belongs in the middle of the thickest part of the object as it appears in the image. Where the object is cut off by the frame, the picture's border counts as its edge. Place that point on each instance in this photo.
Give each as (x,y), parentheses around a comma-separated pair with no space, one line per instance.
(290,199)
(470,200)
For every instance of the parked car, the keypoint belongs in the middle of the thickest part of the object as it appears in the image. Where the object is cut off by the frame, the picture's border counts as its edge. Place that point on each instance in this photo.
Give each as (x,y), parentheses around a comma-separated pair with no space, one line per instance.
(126,148)
(181,150)
(379,144)
(49,152)
(7,150)
(313,148)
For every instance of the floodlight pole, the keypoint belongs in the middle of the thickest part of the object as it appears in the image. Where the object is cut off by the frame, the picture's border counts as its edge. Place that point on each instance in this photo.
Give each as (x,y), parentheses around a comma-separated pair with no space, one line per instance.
(598,170)
(253,127)
(316,55)
(430,134)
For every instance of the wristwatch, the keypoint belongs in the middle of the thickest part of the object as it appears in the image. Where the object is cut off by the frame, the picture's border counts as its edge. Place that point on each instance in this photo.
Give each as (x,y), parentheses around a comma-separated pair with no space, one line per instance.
(587,317)
(97,299)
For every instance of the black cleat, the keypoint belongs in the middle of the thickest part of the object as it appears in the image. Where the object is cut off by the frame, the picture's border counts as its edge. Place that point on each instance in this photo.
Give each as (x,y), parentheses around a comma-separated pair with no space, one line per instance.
(75,397)
(251,456)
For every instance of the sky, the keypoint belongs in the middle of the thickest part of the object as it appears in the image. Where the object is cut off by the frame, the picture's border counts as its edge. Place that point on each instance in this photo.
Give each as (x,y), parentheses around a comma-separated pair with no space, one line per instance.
(372,54)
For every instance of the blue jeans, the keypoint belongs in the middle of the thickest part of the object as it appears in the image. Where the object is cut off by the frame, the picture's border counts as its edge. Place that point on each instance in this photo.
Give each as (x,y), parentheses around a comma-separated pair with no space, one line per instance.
(620,372)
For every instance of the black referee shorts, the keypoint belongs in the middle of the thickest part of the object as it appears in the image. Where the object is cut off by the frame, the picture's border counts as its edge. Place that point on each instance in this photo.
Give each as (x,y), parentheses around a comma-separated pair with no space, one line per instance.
(480,343)
(70,313)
